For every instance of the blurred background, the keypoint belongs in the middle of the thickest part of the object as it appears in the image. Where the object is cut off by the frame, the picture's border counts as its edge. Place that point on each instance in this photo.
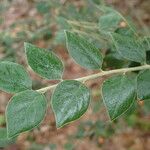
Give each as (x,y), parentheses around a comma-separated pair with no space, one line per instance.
(42,23)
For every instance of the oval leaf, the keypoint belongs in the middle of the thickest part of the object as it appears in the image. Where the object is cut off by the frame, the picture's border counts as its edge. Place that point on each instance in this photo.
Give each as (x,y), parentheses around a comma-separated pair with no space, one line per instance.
(129,48)
(13,78)
(110,21)
(45,63)
(83,52)
(143,85)
(70,101)
(118,95)
(24,111)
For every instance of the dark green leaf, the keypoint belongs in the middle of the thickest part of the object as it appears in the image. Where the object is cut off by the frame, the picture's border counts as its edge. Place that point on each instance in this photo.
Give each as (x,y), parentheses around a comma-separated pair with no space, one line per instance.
(4,141)
(143,85)
(113,60)
(125,32)
(118,95)
(83,52)
(131,109)
(148,57)
(45,63)
(24,111)
(13,78)
(110,22)
(70,100)
(129,48)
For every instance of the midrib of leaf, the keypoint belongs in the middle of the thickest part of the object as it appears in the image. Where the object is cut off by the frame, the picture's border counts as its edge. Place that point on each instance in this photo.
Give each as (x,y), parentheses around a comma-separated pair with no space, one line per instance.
(91,56)
(88,52)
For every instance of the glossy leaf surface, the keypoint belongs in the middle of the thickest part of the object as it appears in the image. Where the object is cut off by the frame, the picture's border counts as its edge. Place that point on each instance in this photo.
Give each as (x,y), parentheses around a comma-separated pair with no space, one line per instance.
(118,95)
(13,77)
(70,100)
(129,48)
(45,63)
(83,52)
(24,111)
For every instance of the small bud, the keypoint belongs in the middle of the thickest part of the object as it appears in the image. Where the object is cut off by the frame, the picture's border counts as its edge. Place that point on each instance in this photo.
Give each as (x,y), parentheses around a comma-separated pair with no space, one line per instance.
(123,24)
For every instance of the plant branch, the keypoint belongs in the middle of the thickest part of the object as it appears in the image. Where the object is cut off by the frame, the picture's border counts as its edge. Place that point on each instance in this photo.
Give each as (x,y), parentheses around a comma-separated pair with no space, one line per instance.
(97,75)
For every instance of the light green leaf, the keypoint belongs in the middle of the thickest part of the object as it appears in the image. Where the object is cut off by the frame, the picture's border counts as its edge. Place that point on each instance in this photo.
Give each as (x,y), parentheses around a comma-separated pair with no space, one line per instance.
(70,101)
(4,141)
(118,95)
(13,78)
(45,63)
(110,21)
(24,111)
(143,85)
(83,52)
(129,48)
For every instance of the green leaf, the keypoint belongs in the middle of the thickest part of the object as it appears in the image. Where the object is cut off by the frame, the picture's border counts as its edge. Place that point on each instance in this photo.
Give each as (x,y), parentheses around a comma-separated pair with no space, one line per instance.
(145,41)
(45,63)
(113,60)
(13,78)
(70,101)
(143,85)
(24,111)
(4,141)
(110,21)
(129,48)
(118,95)
(83,52)
(126,31)
(148,57)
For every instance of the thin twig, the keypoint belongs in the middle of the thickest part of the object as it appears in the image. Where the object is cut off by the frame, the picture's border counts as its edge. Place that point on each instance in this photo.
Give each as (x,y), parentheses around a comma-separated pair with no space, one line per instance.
(100,74)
